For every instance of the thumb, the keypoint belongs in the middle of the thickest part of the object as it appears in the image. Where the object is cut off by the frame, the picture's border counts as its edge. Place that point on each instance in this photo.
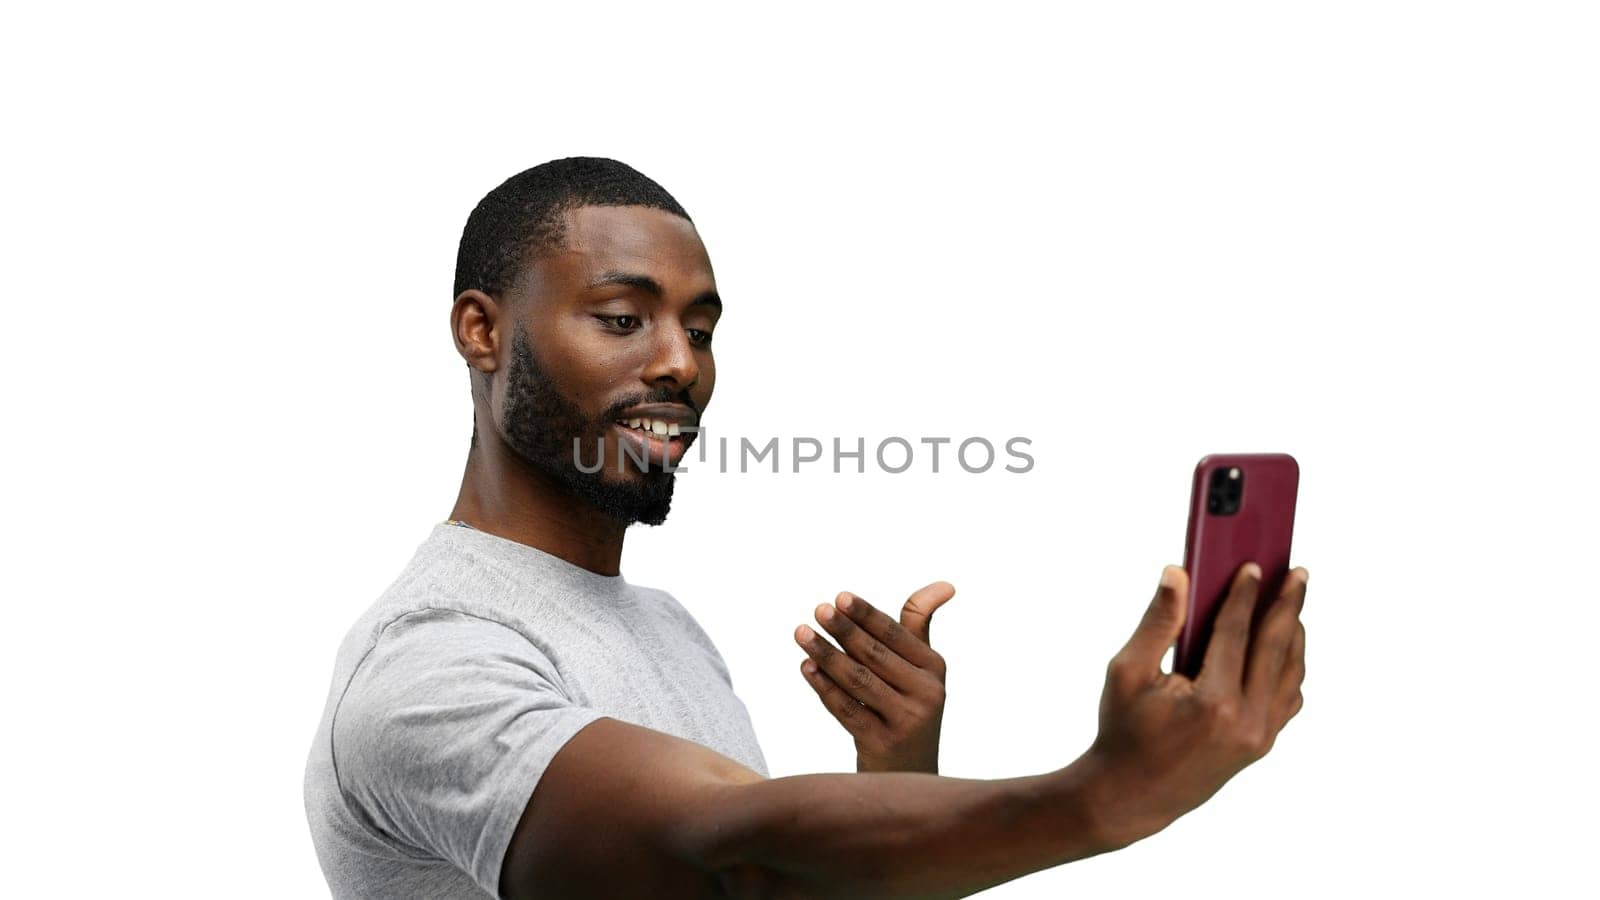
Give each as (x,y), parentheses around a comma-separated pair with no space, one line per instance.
(1161,625)
(917,615)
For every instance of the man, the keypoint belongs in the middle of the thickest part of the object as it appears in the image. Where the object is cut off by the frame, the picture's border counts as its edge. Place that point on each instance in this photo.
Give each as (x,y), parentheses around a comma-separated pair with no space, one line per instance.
(512,718)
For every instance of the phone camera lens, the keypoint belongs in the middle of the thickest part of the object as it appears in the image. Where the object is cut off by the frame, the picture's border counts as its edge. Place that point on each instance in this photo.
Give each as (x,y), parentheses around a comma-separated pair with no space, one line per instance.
(1225,491)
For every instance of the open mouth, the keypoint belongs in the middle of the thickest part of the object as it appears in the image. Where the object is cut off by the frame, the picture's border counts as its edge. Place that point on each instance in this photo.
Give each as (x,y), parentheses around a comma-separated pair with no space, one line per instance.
(657,427)
(656,441)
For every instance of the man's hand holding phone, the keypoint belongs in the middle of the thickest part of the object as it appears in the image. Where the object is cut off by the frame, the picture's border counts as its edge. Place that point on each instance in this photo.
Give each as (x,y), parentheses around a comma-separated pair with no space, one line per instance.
(1168,742)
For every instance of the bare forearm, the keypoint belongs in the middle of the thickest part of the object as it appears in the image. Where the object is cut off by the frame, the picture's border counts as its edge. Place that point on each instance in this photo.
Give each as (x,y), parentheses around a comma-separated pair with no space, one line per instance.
(889,835)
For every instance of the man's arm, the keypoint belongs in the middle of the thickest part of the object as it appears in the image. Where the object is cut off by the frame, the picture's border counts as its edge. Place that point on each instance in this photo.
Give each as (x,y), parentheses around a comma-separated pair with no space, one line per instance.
(624,811)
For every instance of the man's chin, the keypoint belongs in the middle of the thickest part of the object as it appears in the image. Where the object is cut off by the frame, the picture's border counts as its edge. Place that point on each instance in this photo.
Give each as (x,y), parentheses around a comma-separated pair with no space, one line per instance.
(630,498)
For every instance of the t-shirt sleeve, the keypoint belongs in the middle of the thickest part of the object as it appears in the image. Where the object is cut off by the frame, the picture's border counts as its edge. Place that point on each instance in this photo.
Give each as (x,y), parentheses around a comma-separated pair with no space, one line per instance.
(445,729)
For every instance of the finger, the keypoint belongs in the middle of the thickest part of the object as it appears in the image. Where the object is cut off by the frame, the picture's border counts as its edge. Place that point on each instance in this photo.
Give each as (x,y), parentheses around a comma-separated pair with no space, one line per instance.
(917,613)
(868,650)
(1223,666)
(849,711)
(892,634)
(1159,628)
(1293,676)
(853,677)
(1269,649)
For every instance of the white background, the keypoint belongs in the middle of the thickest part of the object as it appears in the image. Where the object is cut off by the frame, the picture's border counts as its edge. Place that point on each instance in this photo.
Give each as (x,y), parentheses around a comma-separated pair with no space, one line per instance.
(1363,233)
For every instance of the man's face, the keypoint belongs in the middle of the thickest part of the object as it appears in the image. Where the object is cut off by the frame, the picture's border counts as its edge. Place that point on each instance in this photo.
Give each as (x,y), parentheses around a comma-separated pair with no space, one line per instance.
(610,335)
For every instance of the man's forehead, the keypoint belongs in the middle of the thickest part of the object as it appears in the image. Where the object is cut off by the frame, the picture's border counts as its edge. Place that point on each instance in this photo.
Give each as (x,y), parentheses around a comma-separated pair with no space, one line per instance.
(609,238)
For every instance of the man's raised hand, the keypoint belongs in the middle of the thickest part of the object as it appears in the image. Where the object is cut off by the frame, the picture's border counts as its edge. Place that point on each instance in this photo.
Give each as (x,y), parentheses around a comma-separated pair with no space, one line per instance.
(886,687)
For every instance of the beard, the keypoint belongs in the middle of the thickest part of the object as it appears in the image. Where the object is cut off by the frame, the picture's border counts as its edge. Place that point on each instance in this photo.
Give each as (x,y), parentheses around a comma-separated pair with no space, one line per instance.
(540,426)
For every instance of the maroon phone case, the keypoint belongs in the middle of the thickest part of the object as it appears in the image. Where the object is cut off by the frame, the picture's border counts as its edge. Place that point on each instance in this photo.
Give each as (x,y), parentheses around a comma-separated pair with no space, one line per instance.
(1217,545)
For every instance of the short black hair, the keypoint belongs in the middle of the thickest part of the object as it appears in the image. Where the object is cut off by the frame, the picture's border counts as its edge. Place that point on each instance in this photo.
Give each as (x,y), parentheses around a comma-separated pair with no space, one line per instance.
(522,218)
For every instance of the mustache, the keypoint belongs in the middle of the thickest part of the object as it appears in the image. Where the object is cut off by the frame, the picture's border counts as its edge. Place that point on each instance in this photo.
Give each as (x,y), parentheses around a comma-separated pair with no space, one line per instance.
(664,395)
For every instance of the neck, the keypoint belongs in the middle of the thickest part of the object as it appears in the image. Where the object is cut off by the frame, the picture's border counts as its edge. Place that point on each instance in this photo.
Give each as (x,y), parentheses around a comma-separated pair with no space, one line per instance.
(504,496)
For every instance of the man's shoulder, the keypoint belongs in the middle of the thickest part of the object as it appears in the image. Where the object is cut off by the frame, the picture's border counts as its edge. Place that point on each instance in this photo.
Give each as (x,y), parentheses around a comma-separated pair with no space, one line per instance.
(668,607)
(685,626)
(450,583)
(442,601)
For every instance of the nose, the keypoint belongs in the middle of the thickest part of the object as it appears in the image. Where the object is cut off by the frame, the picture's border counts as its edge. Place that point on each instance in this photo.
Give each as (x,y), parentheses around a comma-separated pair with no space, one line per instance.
(672,363)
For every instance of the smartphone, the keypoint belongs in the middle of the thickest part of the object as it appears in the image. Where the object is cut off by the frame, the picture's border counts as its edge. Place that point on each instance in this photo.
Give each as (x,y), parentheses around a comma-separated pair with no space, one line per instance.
(1240,510)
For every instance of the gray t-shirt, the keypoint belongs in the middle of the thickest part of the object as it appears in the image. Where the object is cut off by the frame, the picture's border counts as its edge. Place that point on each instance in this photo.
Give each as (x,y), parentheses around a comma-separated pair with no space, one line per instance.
(455,689)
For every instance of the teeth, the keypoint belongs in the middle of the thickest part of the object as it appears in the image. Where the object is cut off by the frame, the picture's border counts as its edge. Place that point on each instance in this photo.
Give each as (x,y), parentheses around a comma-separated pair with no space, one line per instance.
(653,426)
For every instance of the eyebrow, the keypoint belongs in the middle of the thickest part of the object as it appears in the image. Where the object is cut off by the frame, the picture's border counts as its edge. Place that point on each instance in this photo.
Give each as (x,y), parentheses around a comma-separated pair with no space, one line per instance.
(651,286)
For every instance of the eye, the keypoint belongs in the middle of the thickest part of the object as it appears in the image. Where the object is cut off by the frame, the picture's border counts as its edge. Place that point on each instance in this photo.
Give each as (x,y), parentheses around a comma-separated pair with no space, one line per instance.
(703,338)
(620,323)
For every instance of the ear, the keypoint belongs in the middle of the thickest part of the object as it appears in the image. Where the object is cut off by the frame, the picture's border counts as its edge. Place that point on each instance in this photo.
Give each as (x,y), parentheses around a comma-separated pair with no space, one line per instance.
(477,326)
